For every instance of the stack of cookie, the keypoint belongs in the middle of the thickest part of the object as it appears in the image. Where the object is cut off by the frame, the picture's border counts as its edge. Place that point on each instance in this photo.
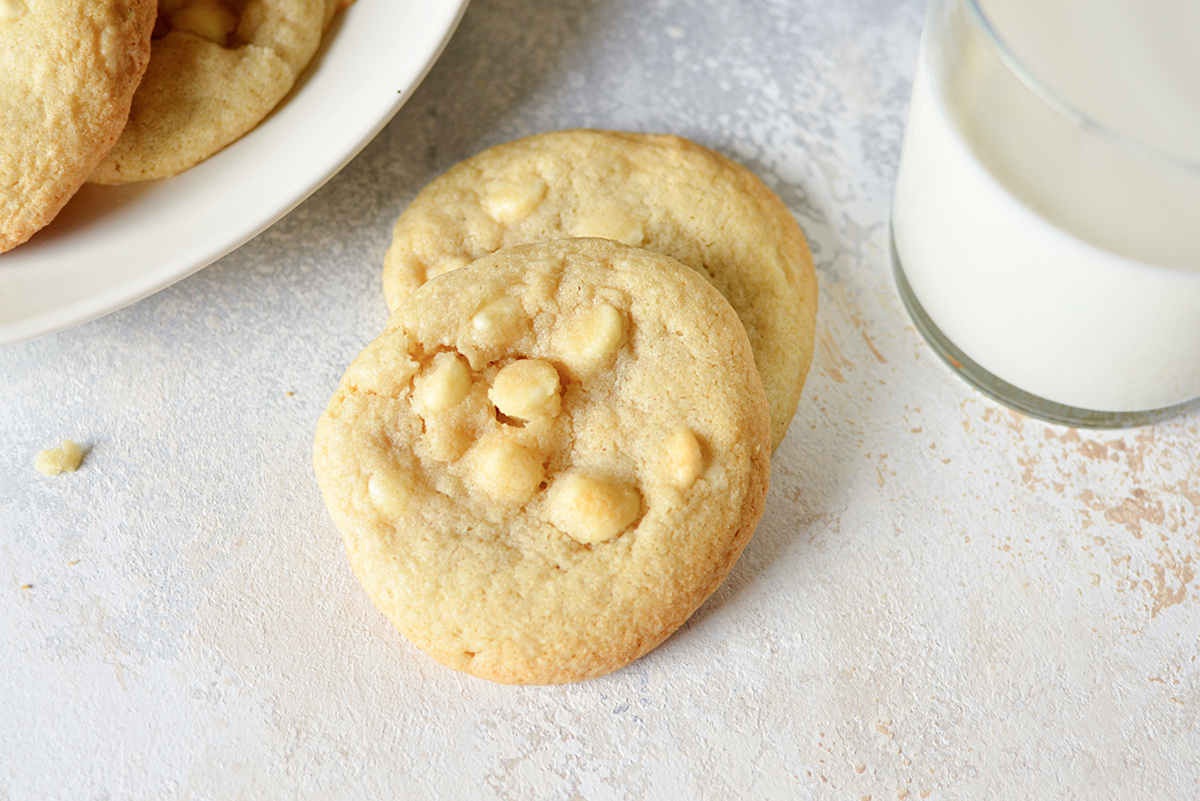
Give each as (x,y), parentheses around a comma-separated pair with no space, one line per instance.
(561,443)
(115,91)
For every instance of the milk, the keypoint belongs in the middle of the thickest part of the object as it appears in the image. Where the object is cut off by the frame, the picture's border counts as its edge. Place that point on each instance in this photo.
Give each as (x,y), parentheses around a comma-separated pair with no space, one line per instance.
(1068,267)
(1133,66)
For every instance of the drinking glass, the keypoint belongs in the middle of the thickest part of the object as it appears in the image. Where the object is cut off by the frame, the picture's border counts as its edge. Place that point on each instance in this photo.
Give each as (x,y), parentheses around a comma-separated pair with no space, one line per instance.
(1047,249)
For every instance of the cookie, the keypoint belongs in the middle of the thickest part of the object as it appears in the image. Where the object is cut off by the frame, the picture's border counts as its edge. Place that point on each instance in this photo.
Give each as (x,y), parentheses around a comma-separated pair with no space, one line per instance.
(549,459)
(662,193)
(68,69)
(217,68)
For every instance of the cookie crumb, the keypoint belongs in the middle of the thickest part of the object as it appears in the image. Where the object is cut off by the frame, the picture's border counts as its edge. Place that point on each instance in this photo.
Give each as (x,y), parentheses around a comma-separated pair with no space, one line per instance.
(64,458)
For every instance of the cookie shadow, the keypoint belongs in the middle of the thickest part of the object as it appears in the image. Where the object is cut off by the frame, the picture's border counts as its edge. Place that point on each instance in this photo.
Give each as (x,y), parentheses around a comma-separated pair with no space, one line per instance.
(796,512)
(86,209)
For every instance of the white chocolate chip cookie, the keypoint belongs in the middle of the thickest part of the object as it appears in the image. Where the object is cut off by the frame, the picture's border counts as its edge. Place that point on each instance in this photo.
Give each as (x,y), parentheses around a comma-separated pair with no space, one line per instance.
(662,193)
(68,70)
(217,68)
(549,459)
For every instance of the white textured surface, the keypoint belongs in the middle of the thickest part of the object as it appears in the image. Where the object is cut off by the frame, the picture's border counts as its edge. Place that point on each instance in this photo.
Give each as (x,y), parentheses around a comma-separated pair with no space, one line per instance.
(944,600)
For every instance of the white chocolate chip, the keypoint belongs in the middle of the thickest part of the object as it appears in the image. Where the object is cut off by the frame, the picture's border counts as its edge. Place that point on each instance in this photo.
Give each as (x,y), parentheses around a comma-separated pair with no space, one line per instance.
(11,9)
(610,223)
(526,389)
(685,461)
(498,321)
(505,469)
(110,49)
(443,387)
(591,510)
(207,19)
(389,493)
(513,201)
(592,339)
(64,458)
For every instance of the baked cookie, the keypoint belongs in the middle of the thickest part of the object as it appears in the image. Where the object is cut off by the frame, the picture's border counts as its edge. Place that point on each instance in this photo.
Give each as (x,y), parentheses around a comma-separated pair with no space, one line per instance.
(217,68)
(549,459)
(662,193)
(68,69)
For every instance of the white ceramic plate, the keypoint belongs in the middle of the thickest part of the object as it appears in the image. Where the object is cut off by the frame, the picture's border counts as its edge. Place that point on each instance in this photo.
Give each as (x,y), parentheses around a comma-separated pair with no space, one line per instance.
(112,246)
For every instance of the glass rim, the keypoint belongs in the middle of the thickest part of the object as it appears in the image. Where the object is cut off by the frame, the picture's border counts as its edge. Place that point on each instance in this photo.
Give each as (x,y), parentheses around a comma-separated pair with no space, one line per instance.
(1064,108)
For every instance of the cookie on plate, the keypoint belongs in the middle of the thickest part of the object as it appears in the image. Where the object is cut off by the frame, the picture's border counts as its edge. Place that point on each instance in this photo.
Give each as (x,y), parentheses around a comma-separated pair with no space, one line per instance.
(549,459)
(68,69)
(217,68)
(662,193)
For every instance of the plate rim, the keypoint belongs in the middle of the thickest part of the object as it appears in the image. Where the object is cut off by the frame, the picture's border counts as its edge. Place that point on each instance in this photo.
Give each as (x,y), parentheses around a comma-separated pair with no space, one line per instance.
(441,19)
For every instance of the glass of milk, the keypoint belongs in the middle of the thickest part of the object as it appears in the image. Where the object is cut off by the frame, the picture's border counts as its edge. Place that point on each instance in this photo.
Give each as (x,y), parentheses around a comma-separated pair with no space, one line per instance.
(1046,218)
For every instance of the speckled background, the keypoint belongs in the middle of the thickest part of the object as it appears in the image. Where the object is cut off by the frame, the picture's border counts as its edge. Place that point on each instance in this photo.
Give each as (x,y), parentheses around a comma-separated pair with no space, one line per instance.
(944,600)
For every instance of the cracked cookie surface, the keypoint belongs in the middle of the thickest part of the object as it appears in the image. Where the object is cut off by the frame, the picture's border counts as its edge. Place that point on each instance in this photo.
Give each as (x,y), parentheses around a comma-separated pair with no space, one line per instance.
(658,192)
(549,459)
(68,70)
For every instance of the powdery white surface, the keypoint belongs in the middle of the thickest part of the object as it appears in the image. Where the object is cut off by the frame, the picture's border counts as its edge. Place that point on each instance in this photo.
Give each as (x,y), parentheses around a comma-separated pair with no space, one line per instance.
(944,600)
